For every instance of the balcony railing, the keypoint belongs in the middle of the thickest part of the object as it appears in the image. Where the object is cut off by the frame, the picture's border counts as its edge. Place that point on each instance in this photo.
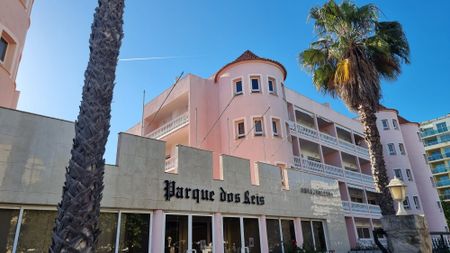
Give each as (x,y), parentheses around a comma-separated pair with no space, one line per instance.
(435,142)
(312,134)
(171,164)
(441,169)
(435,157)
(334,172)
(445,196)
(351,206)
(445,182)
(170,126)
(433,132)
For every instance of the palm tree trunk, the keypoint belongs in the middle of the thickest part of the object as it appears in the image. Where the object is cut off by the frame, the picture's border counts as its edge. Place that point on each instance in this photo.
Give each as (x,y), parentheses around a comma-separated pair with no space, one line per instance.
(76,225)
(369,120)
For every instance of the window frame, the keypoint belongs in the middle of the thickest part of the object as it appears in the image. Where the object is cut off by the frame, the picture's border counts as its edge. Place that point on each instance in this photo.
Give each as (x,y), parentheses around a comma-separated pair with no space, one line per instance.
(395,124)
(385,126)
(397,176)
(277,122)
(5,53)
(401,148)
(258,133)
(393,151)
(406,203)
(274,85)
(409,175)
(259,78)
(236,123)
(234,85)
(416,202)
(362,229)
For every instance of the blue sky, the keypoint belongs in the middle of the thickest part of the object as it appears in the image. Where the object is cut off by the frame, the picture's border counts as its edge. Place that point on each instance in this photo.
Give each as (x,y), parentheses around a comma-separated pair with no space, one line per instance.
(204,35)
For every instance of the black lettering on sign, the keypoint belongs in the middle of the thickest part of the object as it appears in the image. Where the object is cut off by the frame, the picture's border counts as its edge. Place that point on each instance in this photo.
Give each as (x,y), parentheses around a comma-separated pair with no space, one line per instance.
(169,189)
(223,195)
(179,194)
(237,198)
(211,196)
(196,195)
(246,197)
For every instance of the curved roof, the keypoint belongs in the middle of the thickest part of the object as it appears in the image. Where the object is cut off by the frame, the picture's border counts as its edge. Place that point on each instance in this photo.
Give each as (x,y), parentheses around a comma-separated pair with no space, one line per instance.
(250,56)
(400,118)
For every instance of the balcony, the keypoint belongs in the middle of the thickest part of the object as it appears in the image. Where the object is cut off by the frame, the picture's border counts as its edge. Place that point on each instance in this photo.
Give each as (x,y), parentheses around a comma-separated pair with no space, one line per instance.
(317,136)
(435,142)
(363,208)
(433,132)
(170,126)
(171,164)
(445,196)
(434,157)
(443,183)
(334,172)
(441,169)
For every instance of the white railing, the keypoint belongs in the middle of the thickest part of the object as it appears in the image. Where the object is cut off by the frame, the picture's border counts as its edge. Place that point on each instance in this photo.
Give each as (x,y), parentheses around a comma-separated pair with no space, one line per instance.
(346,145)
(334,172)
(328,139)
(350,206)
(375,209)
(308,132)
(170,126)
(359,207)
(171,164)
(362,150)
(346,206)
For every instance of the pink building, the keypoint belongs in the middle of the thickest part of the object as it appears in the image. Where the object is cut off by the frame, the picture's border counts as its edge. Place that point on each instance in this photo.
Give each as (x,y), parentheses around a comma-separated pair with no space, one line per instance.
(245,110)
(14,24)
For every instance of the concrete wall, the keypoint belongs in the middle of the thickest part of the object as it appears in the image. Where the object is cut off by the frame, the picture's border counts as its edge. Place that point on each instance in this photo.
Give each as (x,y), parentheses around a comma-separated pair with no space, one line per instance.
(35,150)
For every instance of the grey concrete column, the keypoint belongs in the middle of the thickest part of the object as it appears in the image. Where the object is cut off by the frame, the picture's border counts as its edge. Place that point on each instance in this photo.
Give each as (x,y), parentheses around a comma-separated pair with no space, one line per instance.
(407,233)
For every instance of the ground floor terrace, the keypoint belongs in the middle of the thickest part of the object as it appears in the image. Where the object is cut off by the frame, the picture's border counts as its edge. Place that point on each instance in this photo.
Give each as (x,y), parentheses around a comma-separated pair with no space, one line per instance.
(29,229)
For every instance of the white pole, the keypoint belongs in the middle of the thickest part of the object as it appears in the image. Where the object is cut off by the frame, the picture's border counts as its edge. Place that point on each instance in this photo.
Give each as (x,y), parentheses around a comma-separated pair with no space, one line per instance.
(16,236)
(142,119)
(116,250)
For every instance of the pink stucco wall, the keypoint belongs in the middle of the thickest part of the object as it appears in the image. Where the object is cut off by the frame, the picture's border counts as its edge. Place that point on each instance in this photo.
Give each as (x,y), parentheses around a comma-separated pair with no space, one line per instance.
(14,24)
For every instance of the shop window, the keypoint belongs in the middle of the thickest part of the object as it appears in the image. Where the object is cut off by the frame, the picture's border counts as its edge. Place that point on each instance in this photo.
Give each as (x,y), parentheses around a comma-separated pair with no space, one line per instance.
(385,124)
(274,236)
(416,202)
(106,241)
(391,149)
(237,87)
(8,223)
(395,124)
(276,127)
(401,147)
(240,129)
(363,232)
(251,235)
(409,175)
(288,231)
(406,203)
(3,48)
(36,231)
(231,234)
(313,236)
(272,86)
(176,235)
(255,83)
(134,232)
(258,126)
(398,173)
(202,234)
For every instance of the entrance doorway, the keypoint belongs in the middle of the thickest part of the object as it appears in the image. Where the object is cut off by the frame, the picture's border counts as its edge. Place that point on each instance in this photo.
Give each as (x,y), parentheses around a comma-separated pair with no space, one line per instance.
(241,235)
(314,235)
(280,235)
(188,233)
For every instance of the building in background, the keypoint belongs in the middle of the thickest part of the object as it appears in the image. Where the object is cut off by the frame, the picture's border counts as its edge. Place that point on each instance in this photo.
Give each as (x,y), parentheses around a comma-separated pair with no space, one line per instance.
(436,139)
(14,24)
(245,110)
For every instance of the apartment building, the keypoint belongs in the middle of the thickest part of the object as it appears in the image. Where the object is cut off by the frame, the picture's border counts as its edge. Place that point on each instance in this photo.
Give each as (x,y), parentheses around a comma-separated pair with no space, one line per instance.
(436,139)
(14,24)
(245,110)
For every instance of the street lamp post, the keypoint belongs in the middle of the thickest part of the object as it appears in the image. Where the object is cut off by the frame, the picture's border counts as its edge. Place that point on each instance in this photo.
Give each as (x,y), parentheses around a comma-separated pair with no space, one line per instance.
(398,193)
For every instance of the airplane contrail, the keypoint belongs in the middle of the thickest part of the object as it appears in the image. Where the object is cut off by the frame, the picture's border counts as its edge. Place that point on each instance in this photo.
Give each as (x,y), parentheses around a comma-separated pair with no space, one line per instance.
(151,58)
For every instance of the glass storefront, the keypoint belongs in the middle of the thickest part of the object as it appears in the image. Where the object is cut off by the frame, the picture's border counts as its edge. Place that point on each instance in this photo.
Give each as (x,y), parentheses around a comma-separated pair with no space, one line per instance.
(231,234)
(313,236)
(251,235)
(8,223)
(237,230)
(202,234)
(280,235)
(134,232)
(176,234)
(36,231)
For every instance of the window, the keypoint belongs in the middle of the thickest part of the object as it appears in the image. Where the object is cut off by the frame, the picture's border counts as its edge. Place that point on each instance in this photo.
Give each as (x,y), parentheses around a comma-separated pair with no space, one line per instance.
(409,175)
(445,138)
(240,129)
(416,202)
(8,223)
(395,124)
(272,86)
(276,127)
(401,147)
(391,149)
(385,123)
(237,86)
(363,232)
(406,203)
(258,126)
(255,84)
(36,230)
(3,49)
(441,127)
(398,173)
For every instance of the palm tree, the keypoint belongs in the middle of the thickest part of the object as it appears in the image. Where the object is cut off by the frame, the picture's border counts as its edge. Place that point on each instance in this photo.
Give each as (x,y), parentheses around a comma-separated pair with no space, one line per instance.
(76,226)
(354,51)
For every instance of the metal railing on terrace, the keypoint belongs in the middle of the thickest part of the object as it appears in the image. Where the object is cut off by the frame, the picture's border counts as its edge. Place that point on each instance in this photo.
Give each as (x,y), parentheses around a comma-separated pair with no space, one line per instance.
(313,134)
(356,207)
(435,142)
(436,156)
(170,126)
(335,172)
(441,183)
(430,132)
(440,169)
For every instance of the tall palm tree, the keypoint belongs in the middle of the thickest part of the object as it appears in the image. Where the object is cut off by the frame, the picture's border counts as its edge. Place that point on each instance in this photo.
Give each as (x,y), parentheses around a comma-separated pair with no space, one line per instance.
(76,226)
(352,53)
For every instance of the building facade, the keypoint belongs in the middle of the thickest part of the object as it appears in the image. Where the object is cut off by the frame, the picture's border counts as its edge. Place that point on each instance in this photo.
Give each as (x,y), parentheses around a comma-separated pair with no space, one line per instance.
(14,24)
(436,138)
(245,110)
